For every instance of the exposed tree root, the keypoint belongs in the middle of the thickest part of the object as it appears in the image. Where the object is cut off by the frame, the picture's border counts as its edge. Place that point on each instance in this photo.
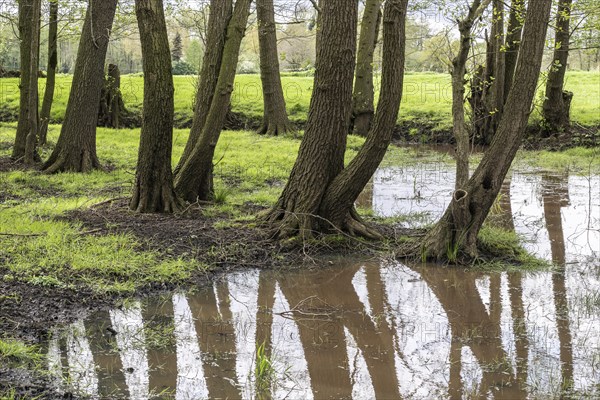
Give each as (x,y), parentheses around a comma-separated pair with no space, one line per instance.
(160,199)
(274,128)
(285,225)
(85,161)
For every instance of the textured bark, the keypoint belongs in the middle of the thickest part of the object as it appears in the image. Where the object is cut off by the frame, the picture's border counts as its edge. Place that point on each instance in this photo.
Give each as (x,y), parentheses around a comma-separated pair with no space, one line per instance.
(194,179)
(275,119)
(363,97)
(556,106)
(76,146)
(31,139)
(337,205)
(457,230)
(459,69)
(112,108)
(26,32)
(321,154)
(487,98)
(153,190)
(50,72)
(513,42)
(220,15)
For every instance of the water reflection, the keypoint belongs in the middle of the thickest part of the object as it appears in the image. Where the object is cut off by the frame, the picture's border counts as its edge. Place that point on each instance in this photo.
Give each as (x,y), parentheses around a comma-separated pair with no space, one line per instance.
(366,329)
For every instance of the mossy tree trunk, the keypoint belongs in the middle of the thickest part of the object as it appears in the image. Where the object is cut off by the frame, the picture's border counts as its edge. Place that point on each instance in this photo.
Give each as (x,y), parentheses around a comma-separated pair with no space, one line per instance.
(275,118)
(27,31)
(220,15)
(50,72)
(76,147)
(487,98)
(153,190)
(456,232)
(557,103)
(459,69)
(32,135)
(363,97)
(194,180)
(320,193)
(514,31)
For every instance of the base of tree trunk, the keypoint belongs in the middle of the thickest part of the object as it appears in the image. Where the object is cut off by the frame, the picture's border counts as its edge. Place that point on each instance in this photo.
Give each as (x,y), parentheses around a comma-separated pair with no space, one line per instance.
(84,161)
(288,224)
(451,238)
(557,117)
(163,200)
(362,123)
(274,128)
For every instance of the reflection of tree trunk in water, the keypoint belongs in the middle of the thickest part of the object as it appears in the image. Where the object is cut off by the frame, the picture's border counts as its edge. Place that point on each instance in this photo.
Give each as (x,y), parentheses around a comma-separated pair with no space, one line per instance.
(555,195)
(506,215)
(455,386)
(328,362)
(515,294)
(495,298)
(468,317)
(216,335)
(165,375)
(264,317)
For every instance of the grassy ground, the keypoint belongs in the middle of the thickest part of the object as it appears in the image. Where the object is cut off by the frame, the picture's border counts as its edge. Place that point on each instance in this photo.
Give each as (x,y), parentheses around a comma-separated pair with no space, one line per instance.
(427,97)
(38,246)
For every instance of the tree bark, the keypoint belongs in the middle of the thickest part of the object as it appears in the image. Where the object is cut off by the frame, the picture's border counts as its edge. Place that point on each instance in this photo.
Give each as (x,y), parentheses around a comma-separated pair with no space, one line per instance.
(220,15)
(26,37)
(195,180)
(50,72)
(363,97)
(513,42)
(153,190)
(456,232)
(33,116)
(459,69)
(321,154)
(556,107)
(76,147)
(112,107)
(275,119)
(337,205)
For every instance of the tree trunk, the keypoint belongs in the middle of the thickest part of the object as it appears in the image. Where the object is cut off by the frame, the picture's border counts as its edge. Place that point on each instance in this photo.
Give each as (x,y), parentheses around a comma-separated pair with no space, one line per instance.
(500,54)
(112,108)
(364,92)
(153,190)
(50,71)
(456,232)
(337,205)
(26,33)
(76,146)
(275,119)
(321,154)
(556,108)
(513,42)
(220,15)
(459,69)
(194,180)
(31,140)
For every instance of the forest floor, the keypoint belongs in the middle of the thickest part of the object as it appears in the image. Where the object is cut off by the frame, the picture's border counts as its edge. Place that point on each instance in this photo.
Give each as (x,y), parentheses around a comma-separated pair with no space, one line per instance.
(69,244)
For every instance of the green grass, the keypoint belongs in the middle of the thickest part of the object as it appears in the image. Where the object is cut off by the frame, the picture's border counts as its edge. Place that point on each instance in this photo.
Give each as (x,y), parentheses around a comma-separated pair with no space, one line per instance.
(16,353)
(427,96)
(39,248)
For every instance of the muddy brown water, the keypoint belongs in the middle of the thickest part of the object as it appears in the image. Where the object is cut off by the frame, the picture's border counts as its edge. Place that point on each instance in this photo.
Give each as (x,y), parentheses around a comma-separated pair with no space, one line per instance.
(366,329)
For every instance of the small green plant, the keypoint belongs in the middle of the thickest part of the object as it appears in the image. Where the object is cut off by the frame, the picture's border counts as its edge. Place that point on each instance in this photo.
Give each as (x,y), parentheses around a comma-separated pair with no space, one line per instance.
(221,195)
(264,371)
